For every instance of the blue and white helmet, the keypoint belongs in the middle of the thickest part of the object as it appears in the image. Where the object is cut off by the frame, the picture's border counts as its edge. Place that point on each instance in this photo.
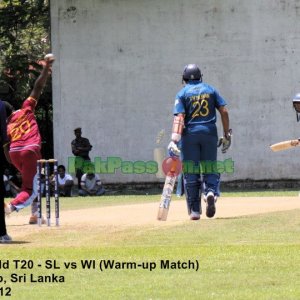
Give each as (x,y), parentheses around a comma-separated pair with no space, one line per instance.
(296,102)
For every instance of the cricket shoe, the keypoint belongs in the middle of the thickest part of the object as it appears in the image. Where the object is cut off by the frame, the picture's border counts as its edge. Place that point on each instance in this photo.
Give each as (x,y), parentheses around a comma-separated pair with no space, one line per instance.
(210,204)
(5,239)
(194,215)
(8,209)
(34,220)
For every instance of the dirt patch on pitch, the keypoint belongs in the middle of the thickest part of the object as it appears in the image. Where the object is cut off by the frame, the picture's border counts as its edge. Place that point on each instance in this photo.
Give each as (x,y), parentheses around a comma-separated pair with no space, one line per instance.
(145,214)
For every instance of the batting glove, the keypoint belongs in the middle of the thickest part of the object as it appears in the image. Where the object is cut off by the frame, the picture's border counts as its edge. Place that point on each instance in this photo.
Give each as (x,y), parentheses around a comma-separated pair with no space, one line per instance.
(173,149)
(225,142)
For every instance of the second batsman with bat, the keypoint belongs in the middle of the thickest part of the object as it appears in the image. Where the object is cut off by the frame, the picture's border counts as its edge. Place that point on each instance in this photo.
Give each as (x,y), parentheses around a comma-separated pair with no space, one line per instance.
(195,125)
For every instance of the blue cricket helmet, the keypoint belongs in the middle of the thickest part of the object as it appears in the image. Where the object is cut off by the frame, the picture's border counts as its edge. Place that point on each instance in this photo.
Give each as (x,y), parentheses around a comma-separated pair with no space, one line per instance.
(191,72)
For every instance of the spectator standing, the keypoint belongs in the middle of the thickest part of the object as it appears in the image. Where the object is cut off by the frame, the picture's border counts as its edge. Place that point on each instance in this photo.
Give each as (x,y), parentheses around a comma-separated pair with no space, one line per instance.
(81,148)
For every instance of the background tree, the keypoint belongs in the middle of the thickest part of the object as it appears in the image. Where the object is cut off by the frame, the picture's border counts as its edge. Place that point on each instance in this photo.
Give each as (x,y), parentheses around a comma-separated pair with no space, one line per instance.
(24,39)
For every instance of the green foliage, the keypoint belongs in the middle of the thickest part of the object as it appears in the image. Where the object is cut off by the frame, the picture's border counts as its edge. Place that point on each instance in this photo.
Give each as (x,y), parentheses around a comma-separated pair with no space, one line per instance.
(24,40)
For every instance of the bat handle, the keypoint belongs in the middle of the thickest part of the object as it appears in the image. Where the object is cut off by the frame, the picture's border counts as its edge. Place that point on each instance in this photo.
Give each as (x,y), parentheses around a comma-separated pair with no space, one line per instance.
(174,165)
(295,142)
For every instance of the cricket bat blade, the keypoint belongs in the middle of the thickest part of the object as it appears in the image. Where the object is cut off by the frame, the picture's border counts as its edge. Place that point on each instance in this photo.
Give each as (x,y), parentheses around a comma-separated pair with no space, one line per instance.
(165,199)
(285,145)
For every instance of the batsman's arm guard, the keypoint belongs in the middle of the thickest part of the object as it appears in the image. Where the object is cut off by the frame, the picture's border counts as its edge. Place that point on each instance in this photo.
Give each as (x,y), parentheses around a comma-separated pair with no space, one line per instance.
(178,125)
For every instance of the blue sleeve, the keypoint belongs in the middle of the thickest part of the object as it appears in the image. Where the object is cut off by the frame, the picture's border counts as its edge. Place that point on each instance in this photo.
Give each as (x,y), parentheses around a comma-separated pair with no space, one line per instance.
(219,100)
(178,105)
(3,128)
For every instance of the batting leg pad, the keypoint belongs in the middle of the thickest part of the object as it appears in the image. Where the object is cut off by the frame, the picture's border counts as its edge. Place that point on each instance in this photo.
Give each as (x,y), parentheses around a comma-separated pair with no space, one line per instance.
(193,194)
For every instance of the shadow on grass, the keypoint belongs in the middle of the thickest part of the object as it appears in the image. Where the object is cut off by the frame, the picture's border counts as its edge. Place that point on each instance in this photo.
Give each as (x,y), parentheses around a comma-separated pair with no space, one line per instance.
(22,225)
(230,218)
(133,192)
(16,243)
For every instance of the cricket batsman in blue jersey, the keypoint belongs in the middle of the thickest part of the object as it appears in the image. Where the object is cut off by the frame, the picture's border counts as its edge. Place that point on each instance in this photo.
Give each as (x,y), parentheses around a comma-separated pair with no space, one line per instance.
(195,127)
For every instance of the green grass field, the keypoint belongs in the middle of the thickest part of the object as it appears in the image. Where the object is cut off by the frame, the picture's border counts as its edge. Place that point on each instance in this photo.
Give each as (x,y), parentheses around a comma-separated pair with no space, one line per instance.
(254,257)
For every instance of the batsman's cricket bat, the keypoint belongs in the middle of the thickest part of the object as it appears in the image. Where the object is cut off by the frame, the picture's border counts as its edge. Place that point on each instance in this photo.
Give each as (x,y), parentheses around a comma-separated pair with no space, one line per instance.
(165,198)
(285,145)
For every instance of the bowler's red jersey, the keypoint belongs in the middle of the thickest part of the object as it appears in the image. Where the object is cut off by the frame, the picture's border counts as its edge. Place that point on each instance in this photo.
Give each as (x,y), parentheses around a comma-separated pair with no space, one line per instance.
(22,128)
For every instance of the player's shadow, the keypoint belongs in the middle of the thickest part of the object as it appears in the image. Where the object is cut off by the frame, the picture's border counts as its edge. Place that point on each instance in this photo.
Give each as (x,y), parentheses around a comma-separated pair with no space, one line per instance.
(230,218)
(15,243)
(19,225)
